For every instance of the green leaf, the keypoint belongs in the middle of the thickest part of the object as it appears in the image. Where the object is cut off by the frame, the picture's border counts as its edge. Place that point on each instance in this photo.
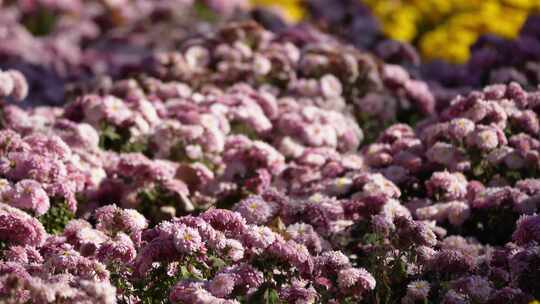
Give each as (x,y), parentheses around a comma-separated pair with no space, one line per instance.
(242,128)
(371,238)
(478,170)
(204,12)
(41,22)
(272,296)
(184,272)
(3,246)
(56,218)
(217,262)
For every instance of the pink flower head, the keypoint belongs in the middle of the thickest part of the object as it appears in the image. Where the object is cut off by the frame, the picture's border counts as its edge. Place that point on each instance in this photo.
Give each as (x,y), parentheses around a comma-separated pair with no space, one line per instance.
(306,235)
(155,251)
(108,108)
(194,292)
(527,230)
(299,294)
(222,285)
(86,239)
(6,84)
(52,146)
(255,210)
(11,141)
(119,249)
(23,255)
(331,262)
(21,165)
(77,135)
(234,250)
(451,261)
(259,236)
(486,138)
(28,194)
(214,239)
(13,83)
(446,154)
(410,232)
(185,292)
(479,289)
(458,212)
(330,86)
(136,165)
(111,219)
(66,259)
(446,185)
(460,128)
(187,240)
(356,280)
(229,222)
(375,184)
(382,224)
(295,254)
(454,297)
(243,156)
(418,290)
(20,228)
(247,111)
(247,277)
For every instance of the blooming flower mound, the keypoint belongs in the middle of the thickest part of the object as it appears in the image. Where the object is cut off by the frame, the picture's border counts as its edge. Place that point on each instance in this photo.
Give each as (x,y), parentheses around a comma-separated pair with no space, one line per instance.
(488,51)
(249,166)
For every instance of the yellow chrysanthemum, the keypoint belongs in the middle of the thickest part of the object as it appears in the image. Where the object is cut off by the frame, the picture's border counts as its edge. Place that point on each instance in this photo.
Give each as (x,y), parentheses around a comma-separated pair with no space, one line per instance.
(292,10)
(446,28)
(524,4)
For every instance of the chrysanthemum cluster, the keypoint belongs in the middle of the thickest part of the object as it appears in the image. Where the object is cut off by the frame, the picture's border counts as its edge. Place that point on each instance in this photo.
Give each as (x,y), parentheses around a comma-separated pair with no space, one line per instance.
(55,43)
(447,30)
(246,166)
(490,58)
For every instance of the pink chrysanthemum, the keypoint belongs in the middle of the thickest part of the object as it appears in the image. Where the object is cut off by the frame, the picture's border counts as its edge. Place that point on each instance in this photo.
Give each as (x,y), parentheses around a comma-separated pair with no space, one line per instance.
(255,210)
(222,285)
(187,240)
(28,194)
(527,230)
(357,280)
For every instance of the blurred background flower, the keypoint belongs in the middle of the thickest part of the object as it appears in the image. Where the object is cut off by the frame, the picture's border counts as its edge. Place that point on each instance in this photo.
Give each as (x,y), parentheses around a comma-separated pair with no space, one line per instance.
(291,10)
(445,29)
